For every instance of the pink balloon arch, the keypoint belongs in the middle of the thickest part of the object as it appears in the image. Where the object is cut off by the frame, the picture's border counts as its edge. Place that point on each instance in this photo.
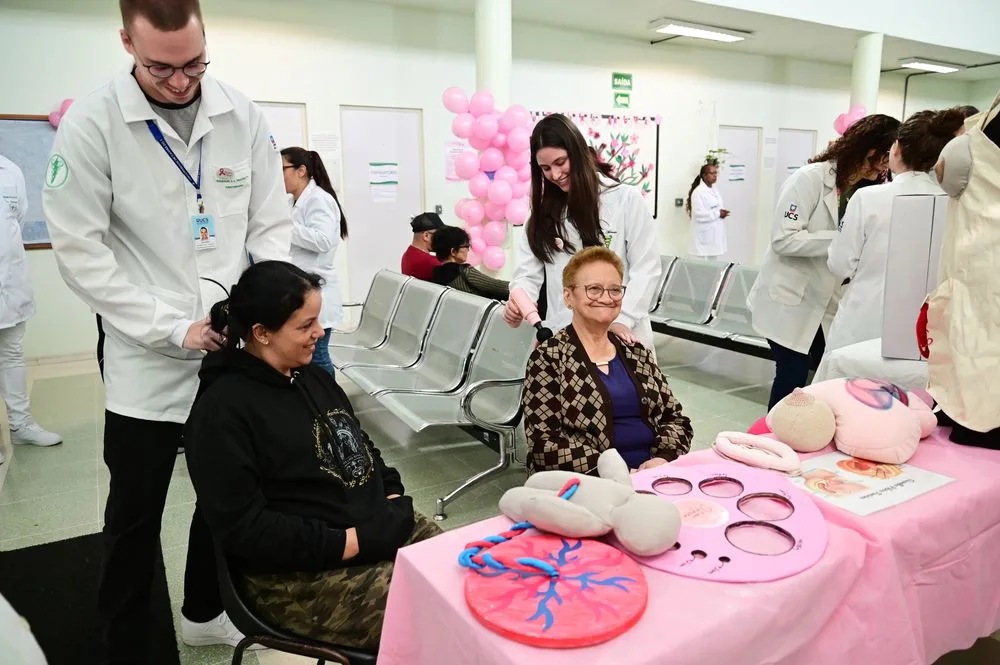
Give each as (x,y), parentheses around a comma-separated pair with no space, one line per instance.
(497,169)
(845,120)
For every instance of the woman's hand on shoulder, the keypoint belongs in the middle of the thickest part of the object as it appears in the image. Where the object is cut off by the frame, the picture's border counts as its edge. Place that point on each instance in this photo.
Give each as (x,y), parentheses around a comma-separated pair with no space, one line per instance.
(624,333)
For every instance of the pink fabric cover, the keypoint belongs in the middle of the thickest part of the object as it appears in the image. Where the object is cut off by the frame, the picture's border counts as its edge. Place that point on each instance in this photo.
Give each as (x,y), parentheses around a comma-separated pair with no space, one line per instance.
(760,427)
(902,586)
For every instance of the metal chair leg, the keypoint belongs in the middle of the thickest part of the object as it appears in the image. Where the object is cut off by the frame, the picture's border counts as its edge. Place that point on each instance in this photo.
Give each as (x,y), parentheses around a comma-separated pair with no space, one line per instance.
(506,442)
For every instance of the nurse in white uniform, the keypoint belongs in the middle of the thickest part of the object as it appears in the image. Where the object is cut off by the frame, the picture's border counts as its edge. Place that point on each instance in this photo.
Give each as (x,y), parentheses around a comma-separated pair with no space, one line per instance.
(860,251)
(795,293)
(160,184)
(574,206)
(707,211)
(17,305)
(318,227)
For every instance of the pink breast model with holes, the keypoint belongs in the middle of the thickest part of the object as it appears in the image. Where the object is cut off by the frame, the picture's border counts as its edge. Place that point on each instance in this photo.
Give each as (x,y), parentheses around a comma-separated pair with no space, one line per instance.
(738,524)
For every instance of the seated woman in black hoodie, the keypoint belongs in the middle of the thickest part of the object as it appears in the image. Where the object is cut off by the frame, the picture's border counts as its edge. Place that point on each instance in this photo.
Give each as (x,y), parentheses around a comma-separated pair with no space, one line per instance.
(289,484)
(451,246)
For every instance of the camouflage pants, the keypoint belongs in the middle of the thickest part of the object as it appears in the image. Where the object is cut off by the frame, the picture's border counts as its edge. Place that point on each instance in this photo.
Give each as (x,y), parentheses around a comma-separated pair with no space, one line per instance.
(344,607)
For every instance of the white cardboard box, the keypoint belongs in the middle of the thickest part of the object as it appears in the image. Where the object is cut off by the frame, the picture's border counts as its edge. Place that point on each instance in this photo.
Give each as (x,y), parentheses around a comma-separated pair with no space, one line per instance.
(915,235)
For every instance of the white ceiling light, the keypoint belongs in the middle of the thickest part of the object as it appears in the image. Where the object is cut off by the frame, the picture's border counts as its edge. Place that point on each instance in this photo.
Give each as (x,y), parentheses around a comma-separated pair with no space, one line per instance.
(925,65)
(666,26)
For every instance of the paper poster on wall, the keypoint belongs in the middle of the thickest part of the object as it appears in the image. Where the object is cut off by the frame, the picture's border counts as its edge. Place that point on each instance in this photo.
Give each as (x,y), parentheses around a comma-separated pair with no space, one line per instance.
(736,172)
(864,487)
(452,150)
(383,179)
(287,122)
(326,142)
(629,143)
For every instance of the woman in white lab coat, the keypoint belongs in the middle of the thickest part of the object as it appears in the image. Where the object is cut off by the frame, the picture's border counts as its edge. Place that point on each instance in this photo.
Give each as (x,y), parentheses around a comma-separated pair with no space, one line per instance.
(795,293)
(860,251)
(705,208)
(574,205)
(318,226)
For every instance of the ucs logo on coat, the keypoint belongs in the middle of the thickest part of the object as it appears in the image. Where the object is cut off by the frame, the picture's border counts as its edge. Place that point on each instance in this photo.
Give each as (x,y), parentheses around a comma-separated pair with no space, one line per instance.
(792,213)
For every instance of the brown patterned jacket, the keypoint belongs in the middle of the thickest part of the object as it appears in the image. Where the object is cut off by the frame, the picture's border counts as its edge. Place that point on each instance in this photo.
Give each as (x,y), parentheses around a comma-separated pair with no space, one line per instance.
(568,416)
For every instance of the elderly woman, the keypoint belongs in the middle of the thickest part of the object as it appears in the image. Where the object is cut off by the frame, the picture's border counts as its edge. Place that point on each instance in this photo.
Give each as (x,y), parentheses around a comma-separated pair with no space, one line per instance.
(587,390)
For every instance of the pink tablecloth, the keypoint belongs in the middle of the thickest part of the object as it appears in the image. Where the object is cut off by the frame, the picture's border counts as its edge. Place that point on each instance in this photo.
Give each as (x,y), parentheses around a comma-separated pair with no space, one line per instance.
(900,587)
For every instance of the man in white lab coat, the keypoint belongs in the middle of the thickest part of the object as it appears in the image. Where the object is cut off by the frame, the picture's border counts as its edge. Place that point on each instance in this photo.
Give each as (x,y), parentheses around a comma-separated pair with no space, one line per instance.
(138,168)
(17,305)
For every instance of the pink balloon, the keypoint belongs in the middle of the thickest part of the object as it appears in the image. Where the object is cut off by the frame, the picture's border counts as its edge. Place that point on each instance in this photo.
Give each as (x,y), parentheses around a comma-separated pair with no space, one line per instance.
(858,110)
(520,189)
(517,159)
(472,259)
(481,104)
(506,174)
(479,186)
(55,118)
(494,258)
(495,233)
(491,159)
(462,125)
(473,212)
(474,231)
(517,211)
(500,193)
(841,124)
(478,143)
(515,116)
(467,165)
(477,245)
(486,127)
(524,173)
(500,140)
(459,205)
(455,100)
(518,139)
(495,212)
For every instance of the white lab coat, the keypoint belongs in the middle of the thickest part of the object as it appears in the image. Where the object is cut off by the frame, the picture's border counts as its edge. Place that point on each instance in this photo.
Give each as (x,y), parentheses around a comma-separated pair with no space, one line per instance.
(860,253)
(708,235)
(629,232)
(315,238)
(120,215)
(789,300)
(17,301)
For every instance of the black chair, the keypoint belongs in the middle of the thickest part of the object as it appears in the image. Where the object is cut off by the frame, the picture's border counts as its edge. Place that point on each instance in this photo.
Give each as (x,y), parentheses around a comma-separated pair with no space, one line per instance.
(258,632)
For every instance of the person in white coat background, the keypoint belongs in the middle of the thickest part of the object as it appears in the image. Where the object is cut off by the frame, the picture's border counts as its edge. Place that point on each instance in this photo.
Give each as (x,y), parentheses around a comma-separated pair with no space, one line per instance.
(318,226)
(575,205)
(138,168)
(17,305)
(860,252)
(707,211)
(795,293)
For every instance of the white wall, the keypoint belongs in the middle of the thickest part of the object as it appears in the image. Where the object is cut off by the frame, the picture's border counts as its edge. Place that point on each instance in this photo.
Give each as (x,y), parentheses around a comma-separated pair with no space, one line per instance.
(330,52)
(983,93)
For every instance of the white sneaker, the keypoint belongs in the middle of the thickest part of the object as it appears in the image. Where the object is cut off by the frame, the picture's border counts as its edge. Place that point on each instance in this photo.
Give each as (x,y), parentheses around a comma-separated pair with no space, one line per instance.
(219,630)
(34,435)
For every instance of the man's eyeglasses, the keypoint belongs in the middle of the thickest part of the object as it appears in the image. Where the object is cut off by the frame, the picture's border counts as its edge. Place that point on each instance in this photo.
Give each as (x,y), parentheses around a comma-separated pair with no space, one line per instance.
(192,70)
(596,291)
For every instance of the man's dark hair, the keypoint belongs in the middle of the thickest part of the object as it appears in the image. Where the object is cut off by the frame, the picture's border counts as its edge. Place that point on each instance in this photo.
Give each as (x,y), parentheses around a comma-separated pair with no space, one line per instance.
(164,15)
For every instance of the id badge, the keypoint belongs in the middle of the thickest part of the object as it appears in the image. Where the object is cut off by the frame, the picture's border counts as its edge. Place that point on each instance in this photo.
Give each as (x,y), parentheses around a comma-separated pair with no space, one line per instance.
(203,229)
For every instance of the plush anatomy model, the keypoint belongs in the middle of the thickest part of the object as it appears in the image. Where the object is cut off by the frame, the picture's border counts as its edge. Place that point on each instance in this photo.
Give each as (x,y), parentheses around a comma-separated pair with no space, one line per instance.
(645,525)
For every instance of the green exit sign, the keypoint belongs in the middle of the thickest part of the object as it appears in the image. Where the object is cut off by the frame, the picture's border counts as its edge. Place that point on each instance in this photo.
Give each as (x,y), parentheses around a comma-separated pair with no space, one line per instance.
(623,100)
(621,81)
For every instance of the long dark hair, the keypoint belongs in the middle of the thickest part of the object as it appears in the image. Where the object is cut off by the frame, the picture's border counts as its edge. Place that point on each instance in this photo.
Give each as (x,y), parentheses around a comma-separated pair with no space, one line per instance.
(850,152)
(924,134)
(697,181)
(582,204)
(317,171)
(606,169)
(267,294)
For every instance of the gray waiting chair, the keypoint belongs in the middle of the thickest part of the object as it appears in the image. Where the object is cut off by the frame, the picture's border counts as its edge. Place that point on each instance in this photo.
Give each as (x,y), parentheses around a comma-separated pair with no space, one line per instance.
(732,316)
(691,291)
(489,399)
(666,265)
(449,342)
(376,312)
(404,340)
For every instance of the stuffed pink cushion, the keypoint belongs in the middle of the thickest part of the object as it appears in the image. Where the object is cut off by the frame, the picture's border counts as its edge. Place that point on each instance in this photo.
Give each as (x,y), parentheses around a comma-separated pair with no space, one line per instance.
(877,421)
(760,427)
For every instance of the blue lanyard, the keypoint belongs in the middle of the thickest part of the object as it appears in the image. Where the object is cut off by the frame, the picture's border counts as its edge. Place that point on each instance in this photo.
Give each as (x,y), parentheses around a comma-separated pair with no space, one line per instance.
(158,135)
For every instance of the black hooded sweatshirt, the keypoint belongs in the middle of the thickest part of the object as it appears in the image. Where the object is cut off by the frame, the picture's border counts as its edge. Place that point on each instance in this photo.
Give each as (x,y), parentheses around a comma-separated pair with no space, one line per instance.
(281,466)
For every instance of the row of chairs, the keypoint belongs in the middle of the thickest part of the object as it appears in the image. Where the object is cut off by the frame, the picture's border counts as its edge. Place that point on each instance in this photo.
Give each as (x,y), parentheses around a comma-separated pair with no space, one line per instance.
(706,301)
(436,357)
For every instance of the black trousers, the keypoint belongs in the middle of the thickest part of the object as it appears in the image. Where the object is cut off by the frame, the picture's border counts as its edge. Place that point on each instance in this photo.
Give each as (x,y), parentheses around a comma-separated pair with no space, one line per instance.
(100,345)
(791,368)
(140,455)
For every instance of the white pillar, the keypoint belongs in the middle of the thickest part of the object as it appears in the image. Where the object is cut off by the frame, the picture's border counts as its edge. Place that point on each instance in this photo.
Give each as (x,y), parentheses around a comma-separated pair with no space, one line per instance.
(494,49)
(866,71)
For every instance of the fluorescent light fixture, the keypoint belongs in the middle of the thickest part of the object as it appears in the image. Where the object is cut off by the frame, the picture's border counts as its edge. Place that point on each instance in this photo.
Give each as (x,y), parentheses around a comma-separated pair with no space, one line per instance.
(666,26)
(925,65)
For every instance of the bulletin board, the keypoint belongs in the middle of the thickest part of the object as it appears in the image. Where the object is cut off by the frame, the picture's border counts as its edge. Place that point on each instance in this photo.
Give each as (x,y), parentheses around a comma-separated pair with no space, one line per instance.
(287,121)
(27,140)
(630,143)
